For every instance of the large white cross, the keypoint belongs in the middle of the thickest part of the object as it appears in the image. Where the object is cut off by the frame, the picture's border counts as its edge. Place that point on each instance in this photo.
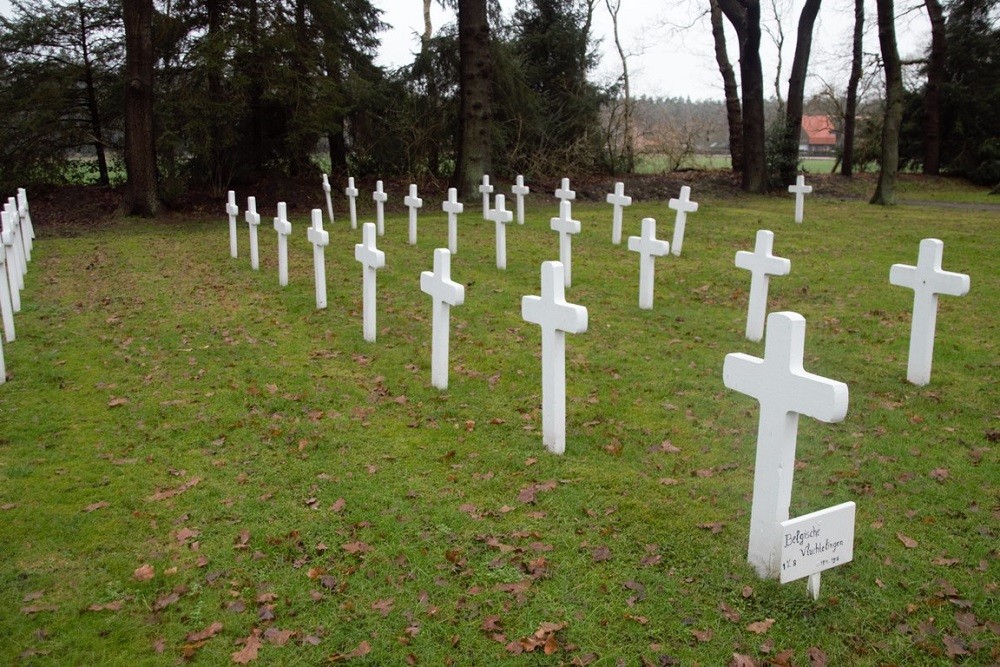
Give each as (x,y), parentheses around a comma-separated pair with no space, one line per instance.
(486,190)
(351,193)
(566,226)
(22,257)
(557,318)
(762,265)
(452,207)
(501,216)
(380,198)
(253,220)
(6,293)
(284,229)
(23,228)
(444,293)
(784,390)
(800,190)
(683,206)
(22,206)
(15,255)
(371,259)
(519,190)
(618,199)
(232,210)
(649,248)
(563,193)
(327,190)
(413,202)
(927,280)
(320,238)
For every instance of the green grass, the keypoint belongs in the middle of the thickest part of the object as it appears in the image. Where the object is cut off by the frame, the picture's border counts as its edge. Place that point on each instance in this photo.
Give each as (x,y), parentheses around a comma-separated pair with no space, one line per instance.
(656,164)
(281,411)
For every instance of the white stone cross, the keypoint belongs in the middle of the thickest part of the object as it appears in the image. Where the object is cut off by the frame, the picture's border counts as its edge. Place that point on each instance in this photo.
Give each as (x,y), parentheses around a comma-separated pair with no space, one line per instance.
(22,206)
(649,248)
(452,207)
(14,224)
(501,216)
(519,190)
(486,190)
(20,211)
(762,265)
(253,220)
(371,259)
(566,227)
(444,293)
(320,238)
(380,198)
(351,193)
(6,293)
(927,280)
(557,318)
(329,198)
(15,272)
(683,206)
(800,190)
(618,200)
(413,202)
(232,210)
(284,229)
(563,193)
(784,390)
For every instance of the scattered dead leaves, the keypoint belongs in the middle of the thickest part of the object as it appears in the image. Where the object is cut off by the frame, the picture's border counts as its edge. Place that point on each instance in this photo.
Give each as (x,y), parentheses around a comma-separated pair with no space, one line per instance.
(528,493)
(164,494)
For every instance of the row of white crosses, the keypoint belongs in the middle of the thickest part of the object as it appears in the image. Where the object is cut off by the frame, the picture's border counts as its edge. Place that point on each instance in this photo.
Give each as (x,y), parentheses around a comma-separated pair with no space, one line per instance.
(17,234)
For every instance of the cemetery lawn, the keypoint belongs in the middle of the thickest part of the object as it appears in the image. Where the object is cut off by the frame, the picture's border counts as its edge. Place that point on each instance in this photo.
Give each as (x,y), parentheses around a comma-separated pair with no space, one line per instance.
(196,465)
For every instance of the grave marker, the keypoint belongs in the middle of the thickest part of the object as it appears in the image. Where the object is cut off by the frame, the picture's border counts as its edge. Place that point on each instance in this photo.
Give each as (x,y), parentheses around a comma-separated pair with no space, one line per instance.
(566,227)
(14,275)
(444,293)
(649,248)
(563,193)
(800,190)
(816,542)
(6,294)
(762,265)
(683,206)
(371,259)
(351,193)
(284,229)
(927,280)
(22,204)
(413,202)
(232,210)
(452,207)
(486,190)
(380,198)
(618,200)
(253,220)
(519,190)
(329,198)
(320,239)
(13,223)
(501,216)
(784,390)
(22,229)
(557,318)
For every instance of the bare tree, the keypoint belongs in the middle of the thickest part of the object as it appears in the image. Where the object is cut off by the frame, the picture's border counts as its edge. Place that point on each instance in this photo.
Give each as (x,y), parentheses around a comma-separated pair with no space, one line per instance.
(777,35)
(734,112)
(628,141)
(851,107)
(885,191)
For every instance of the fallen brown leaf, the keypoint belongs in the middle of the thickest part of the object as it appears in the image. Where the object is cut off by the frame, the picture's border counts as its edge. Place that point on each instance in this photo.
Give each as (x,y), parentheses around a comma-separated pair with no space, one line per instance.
(107,606)
(908,542)
(96,506)
(817,657)
(703,635)
(760,627)
(248,653)
(207,633)
(278,637)
(144,572)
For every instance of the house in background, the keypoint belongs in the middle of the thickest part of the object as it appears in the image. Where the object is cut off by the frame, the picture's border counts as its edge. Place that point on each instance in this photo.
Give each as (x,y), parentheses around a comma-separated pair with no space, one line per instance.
(818,136)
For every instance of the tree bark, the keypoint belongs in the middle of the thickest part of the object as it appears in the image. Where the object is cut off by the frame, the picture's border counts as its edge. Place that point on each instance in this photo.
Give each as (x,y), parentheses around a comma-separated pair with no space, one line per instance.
(214,76)
(796,90)
(475,82)
(433,97)
(754,128)
(885,191)
(96,127)
(932,95)
(851,107)
(628,146)
(141,195)
(734,114)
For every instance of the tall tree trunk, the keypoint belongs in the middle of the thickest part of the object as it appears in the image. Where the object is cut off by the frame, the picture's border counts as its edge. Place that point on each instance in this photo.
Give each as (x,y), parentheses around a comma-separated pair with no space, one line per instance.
(141,196)
(214,76)
(851,108)
(885,191)
(433,97)
(796,90)
(255,94)
(628,145)
(734,114)
(475,81)
(935,82)
(93,111)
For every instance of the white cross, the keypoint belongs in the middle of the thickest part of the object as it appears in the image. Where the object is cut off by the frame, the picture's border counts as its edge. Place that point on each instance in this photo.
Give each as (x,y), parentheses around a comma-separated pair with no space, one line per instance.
(800,190)
(329,198)
(683,206)
(927,280)
(6,292)
(557,318)
(23,223)
(320,238)
(486,190)
(452,207)
(649,248)
(563,193)
(501,217)
(284,229)
(519,190)
(232,210)
(22,205)
(784,390)
(351,193)
(380,198)
(618,200)
(20,249)
(413,202)
(371,259)
(762,265)
(444,293)
(15,253)
(566,227)
(253,219)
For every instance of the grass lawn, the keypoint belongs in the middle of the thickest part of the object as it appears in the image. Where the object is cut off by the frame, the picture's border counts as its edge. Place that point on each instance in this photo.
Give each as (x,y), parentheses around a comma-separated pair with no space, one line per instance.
(196,465)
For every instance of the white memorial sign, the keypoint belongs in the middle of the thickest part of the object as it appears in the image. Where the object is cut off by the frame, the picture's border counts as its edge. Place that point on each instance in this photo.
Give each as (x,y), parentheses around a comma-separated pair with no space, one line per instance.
(413,202)
(566,226)
(371,259)
(452,207)
(762,265)
(649,248)
(618,200)
(232,210)
(253,220)
(800,190)
(501,216)
(444,293)
(486,190)
(351,193)
(329,197)
(563,193)
(683,206)
(380,198)
(284,229)
(815,542)
(519,190)
(320,239)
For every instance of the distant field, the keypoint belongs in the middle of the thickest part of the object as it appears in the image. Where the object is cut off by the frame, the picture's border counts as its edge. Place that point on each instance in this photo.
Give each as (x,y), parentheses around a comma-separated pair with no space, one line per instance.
(654,164)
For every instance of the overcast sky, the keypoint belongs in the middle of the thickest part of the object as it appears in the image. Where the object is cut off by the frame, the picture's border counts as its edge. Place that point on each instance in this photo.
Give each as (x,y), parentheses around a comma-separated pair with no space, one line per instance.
(671,47)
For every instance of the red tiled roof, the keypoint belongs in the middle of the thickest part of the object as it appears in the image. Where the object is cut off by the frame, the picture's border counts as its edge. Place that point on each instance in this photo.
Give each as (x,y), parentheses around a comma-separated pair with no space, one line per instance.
(819,130)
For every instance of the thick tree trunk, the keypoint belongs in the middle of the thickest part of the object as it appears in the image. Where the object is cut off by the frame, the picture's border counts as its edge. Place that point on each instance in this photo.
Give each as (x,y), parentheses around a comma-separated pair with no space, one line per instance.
(141,196)
(218,176)
(433,97)
(338,149)
(255,94)
(796,90)
(475,81)
(734,114)
(851,107)
(932,95)
(885,191)
(754,128)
